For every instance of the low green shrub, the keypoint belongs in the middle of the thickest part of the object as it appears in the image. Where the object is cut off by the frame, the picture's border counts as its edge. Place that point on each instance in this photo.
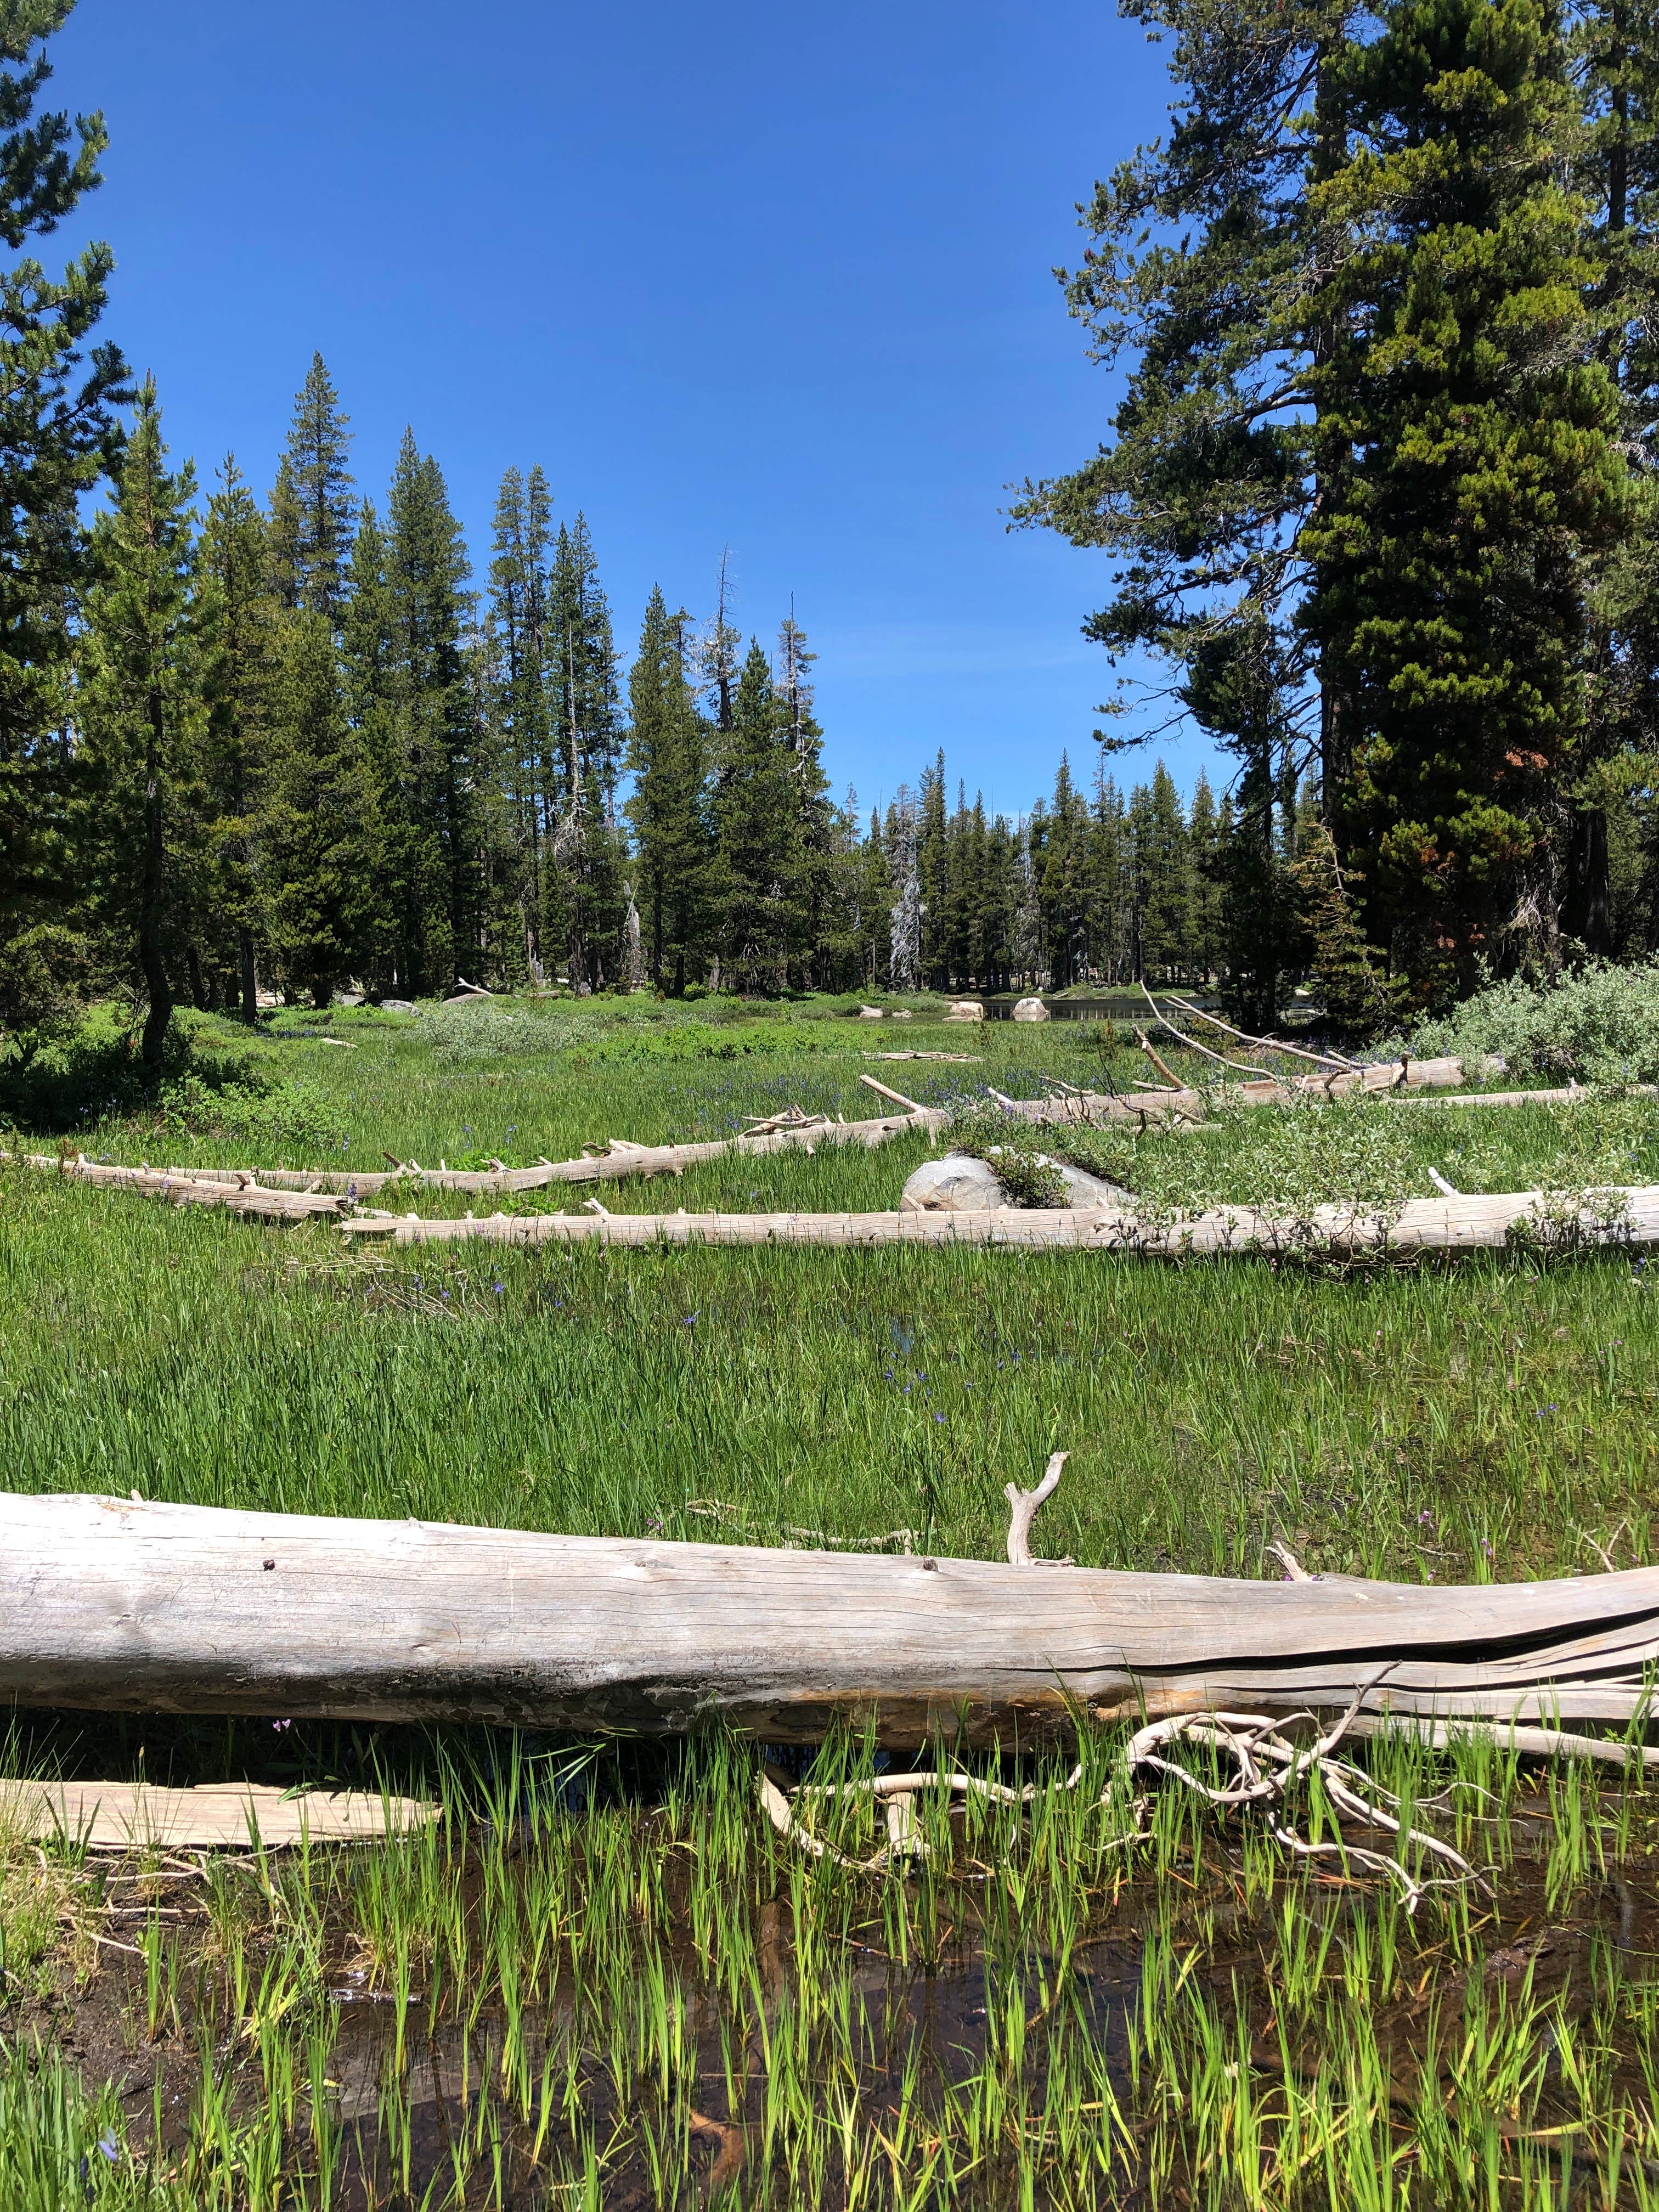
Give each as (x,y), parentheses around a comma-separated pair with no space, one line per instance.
(1600,1025)
(1015,1149)
(216,1080)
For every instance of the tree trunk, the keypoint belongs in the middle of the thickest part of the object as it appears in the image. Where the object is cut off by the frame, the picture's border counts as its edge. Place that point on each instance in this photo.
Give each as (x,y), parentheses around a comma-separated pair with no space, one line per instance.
(1586,910)
(250,989)
(118,1606)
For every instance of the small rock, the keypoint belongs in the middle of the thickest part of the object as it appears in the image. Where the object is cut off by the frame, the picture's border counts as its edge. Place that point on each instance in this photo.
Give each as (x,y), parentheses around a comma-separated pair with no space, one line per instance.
(957,1183)
(1031,1009)
(869,1013)
(398,1006)
(965,1010)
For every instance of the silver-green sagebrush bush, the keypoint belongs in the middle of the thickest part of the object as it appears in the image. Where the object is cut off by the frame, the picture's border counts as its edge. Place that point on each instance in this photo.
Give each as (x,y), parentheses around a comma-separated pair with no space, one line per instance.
(1598,1025)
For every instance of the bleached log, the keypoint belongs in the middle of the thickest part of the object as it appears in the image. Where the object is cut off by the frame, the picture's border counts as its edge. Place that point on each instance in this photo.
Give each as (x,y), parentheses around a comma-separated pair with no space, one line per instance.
(620,1159)
(128,1816)
(259,1192)
(114,1605)
(234,1191)
(1627,1215)
(1575,1094)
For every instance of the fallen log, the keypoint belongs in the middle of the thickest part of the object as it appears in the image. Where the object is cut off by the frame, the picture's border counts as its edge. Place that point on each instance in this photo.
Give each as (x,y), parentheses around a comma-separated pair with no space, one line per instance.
(234,1190)
(137,1816)
(1575,1094)
(619,1158)
(115,1605)
(1627,1215)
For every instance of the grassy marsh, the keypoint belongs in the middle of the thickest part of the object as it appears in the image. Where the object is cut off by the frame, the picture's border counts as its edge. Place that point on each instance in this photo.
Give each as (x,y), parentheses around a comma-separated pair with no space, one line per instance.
(602,1978)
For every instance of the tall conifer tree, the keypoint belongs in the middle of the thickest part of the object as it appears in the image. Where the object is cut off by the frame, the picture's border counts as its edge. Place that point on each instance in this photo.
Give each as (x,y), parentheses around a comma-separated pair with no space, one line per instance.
(1450,586)
(141,705)
(757,824)
(59,434)
(312,512)
(238,617)
(669,806)
(436,894)
(319,823)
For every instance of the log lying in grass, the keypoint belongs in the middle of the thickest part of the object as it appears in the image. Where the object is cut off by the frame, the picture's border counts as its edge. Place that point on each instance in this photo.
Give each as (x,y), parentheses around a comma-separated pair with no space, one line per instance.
(621,1158)
(236,1190)
(128,1816)
(1628,1216)
(1391,1078)
(123,1607)
(1574,1095)
(264,1192)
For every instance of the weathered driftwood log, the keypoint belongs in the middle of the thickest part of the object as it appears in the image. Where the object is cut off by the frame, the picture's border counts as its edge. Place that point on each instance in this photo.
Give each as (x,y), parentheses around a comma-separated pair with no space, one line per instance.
(119,1606)
(1448,1224)
(620,1159)
(234,1190)
(127,1816)
(1575,1094)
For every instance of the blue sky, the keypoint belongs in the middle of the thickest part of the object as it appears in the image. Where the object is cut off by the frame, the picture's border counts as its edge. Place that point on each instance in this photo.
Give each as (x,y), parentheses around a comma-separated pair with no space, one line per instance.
(775,280)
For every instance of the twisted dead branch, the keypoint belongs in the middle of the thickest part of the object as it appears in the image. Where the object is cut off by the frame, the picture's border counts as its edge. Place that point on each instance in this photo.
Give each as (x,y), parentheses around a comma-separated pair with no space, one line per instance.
(1024,1507)
(1269,1768)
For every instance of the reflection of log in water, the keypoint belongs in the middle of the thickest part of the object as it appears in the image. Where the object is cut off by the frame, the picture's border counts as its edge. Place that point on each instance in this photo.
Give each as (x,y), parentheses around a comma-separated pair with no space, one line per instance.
(126,1607)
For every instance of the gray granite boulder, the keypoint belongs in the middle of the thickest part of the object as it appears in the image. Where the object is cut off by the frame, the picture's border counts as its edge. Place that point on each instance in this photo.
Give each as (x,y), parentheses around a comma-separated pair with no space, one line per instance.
(959,1183)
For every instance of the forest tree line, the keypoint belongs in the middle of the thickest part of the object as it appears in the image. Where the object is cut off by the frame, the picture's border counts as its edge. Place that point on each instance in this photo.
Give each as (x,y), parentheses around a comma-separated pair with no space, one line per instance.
(1382,490)
(300,753)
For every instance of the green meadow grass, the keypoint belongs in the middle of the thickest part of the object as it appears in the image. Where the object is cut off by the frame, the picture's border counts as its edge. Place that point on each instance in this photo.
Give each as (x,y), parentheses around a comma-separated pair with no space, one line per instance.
(602,1979)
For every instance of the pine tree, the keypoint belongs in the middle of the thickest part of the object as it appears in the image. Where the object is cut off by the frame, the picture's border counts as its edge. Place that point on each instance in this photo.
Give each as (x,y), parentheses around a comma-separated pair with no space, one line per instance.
(817,890)
(312,512)
(319,830)
(1063,881)
(1450,584)
(408,691)
(585,905)
(518,703)
(757,829)
(1164,871)
(1204,837)
(930,865)
(872,919)
(669,806)
(717,649)
(371,691)
(1352,994)
(1614,53)
(237,615)
(1263,934)
(141,705)
(1110,882)
(1025,931)
(1217,457)
(58,434)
